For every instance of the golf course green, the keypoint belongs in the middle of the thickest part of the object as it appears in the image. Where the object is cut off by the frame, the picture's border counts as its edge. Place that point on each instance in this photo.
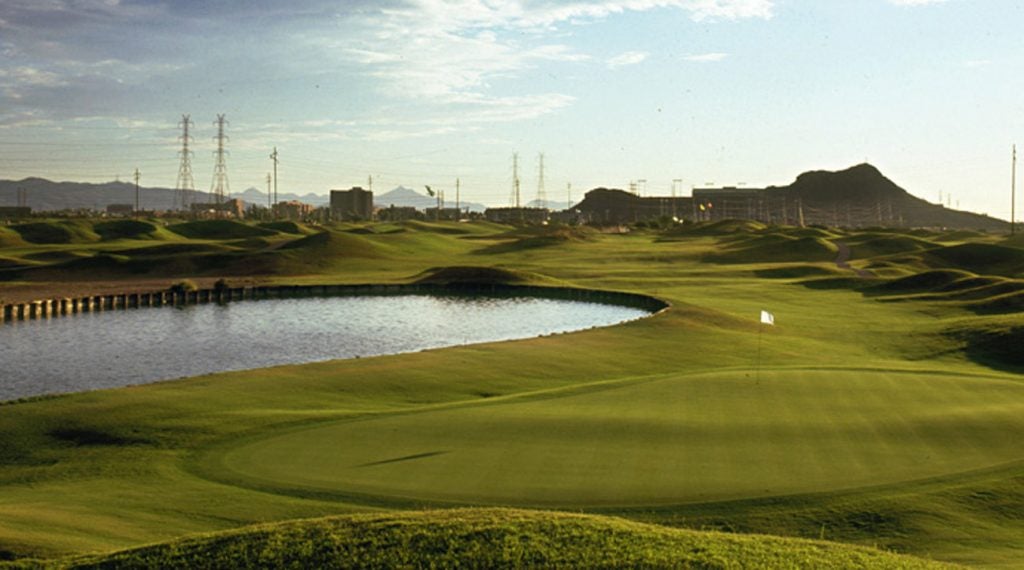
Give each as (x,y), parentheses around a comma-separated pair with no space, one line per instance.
(884,408)
(656,441)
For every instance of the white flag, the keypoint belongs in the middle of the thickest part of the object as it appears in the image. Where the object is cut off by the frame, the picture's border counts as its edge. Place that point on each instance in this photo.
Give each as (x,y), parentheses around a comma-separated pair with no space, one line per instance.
(767,318)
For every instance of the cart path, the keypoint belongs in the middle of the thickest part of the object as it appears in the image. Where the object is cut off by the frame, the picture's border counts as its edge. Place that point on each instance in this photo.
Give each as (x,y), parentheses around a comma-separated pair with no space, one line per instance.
(843,258)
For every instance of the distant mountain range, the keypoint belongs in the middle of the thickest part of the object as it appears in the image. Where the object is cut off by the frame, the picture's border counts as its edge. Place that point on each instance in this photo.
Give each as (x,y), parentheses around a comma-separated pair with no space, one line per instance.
(45,195)
(857,196)
(405,197)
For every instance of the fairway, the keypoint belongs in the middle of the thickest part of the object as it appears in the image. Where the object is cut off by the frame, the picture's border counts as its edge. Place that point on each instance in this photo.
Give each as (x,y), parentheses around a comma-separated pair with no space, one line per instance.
(667,439)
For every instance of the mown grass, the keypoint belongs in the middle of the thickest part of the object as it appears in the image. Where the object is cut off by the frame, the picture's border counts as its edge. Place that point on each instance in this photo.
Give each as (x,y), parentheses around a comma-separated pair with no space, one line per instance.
(869,421)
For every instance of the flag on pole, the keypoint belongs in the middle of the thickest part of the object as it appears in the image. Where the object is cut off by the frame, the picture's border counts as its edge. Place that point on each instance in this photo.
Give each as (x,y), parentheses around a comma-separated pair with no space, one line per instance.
(767,318)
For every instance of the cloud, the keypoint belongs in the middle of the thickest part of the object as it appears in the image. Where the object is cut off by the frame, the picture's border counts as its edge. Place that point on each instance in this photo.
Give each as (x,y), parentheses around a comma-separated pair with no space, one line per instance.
(455,51)
(977,63)
(627,58)
(706,57)
(915,2)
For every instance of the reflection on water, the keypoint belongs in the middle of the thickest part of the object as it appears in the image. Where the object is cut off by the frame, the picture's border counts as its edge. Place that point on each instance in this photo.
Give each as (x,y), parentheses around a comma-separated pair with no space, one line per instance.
(118,348)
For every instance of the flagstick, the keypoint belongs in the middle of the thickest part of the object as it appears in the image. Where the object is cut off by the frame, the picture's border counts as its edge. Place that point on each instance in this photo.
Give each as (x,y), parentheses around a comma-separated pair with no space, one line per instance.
(760,327)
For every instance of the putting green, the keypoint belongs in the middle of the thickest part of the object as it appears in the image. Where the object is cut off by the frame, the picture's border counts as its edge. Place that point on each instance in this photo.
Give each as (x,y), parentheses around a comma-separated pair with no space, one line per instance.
(665,440)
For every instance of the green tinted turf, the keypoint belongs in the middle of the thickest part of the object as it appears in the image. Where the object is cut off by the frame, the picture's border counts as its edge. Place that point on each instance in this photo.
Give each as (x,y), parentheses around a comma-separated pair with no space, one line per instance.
(671,439)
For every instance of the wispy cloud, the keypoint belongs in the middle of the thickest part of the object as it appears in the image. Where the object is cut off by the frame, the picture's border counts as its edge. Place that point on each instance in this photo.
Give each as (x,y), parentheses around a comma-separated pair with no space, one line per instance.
(627,58)
(706,57)
(454,52)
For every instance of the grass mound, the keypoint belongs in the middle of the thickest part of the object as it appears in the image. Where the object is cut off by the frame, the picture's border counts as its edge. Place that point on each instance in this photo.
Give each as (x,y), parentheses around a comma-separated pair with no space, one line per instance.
(66,231)
(328,245)
(777,248)
(888,245)
(537,237)
(10,238)
(470,275)
(438,227)
(922,282)
(219,229)
(286,227)
(10,262)
(995,344)
(798,271)
(719,228)
(490,538)
(125,229)
(979,258)
(171,249)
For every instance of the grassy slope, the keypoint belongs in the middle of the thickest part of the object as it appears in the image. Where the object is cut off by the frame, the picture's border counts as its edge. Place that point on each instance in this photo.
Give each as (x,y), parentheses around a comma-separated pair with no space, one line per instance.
(499,538)
(148,465)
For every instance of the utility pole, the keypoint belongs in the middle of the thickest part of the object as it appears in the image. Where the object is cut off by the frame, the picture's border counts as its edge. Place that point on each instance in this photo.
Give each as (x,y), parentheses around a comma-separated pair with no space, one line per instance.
(515,180)
(273,157)
(541,193)
(220,169)
(568,192)
(137,192)
(270,206)
(186,185)
(22,198)
(1013,193)
(676,183)
(369,183)
(458,203)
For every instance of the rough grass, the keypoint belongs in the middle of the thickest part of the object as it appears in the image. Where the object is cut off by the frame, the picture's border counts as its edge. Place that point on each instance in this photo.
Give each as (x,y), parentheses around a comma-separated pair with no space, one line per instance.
(537,237)
(219,229)
(984,258)
(125,229)
(287,227)
(477,275)
(776,248)
(490,538)
(10,238)
(44,232)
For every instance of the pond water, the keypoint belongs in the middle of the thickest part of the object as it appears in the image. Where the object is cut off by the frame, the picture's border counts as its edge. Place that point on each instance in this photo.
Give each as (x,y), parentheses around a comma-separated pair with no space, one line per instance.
(118,348)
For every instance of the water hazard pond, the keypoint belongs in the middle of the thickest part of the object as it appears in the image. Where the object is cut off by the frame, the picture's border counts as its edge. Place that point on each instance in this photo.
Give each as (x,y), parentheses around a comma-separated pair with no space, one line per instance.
(118,348)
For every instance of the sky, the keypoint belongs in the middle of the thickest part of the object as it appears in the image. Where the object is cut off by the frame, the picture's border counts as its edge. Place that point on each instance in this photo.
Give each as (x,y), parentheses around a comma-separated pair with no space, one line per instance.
(425,92)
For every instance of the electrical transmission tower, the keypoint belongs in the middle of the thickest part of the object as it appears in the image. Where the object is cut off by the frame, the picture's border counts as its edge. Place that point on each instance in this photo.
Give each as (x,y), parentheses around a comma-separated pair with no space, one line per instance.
(186,186)
(542,197)
(220,170)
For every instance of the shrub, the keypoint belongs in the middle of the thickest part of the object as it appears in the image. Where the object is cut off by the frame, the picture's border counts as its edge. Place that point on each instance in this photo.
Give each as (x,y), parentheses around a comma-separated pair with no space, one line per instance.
(183,286)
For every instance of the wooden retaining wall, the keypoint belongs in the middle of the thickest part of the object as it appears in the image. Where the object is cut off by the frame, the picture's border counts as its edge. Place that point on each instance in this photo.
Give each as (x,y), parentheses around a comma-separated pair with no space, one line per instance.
(50,308)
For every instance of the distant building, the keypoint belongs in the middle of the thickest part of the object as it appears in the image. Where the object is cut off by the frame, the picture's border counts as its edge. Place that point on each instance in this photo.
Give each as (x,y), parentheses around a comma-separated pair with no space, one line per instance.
(293,210)
(517,215)
(120,209)
(14,212)
(232,208)
(443,214)
(399,213)
(730,202)
(351,205)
